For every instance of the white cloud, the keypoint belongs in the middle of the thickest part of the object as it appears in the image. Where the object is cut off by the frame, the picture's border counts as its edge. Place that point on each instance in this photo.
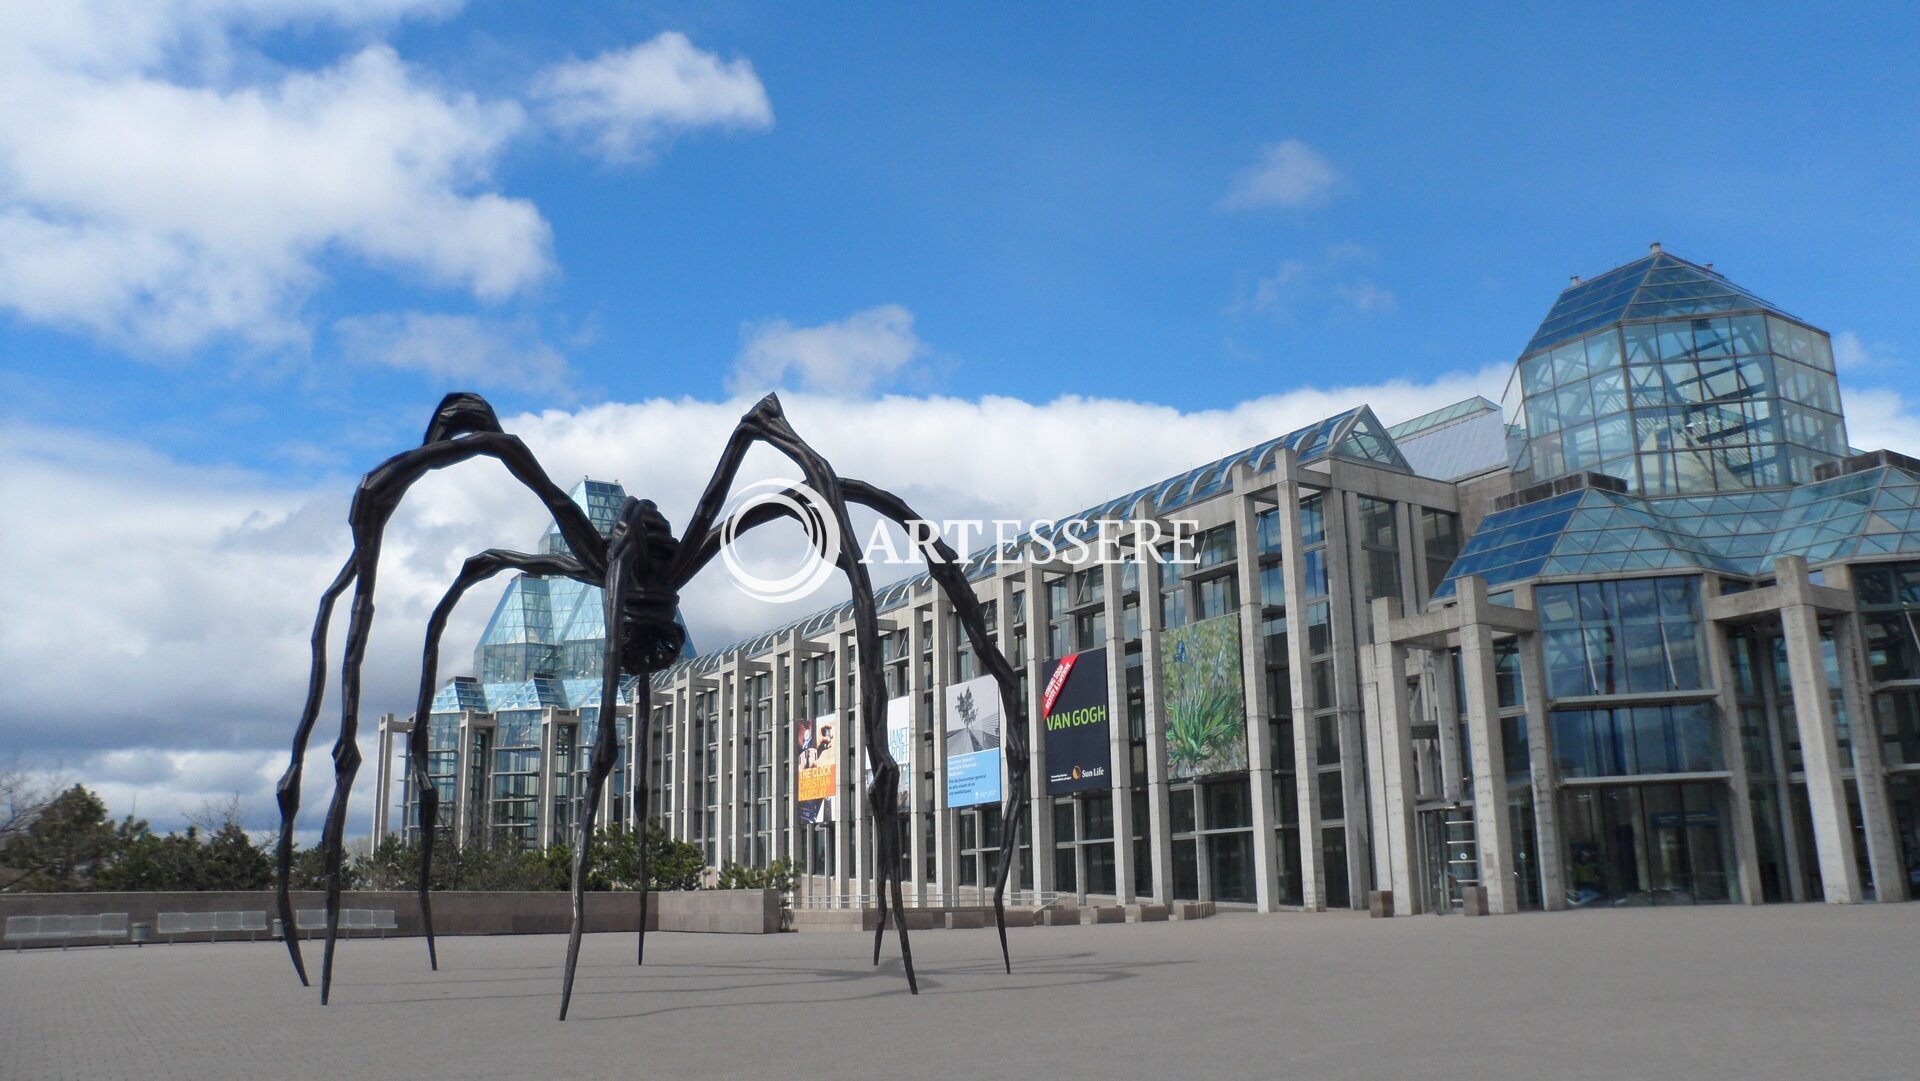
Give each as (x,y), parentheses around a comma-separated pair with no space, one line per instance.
(628,100)
(161,213)
(848,357)
(456,349)
(1289,174)
(1852,353)
(1366,298)
(1326,281)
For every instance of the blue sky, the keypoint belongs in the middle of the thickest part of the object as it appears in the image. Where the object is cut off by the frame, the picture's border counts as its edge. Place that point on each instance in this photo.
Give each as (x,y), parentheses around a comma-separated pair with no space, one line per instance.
(242,255)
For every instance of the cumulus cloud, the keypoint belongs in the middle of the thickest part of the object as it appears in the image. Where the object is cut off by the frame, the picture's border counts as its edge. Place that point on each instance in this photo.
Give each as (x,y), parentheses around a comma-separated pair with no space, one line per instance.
(163,186)
(849,357)
(628,100)
(457,350)
(161,213)
(1289,174)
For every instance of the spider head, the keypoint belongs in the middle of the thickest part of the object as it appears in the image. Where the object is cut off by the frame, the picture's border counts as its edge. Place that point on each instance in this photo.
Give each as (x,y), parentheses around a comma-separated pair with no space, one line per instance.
(650,636)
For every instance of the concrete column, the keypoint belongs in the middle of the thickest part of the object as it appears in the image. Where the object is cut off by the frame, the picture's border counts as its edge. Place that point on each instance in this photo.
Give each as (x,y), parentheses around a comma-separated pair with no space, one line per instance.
(383,778)
(1306,738)
(1733,750)
(1869,774)
(1445,695)
(1254,677)
(1040,815)
(727,747)
(543,824)
(1543,778)
(1819,741)
(1159,807)
(1345,567)
(1493,831)
(464,763)
(945,829)
(914,791)
(1119,729)
(1391,745)
(847,832)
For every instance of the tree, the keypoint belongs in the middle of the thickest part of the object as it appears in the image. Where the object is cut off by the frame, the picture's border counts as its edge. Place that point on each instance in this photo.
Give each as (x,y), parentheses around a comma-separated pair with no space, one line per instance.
(64,845)
(23,795)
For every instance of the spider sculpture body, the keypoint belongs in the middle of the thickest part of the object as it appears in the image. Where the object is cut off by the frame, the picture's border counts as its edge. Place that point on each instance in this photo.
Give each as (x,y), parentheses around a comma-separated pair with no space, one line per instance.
(641,567)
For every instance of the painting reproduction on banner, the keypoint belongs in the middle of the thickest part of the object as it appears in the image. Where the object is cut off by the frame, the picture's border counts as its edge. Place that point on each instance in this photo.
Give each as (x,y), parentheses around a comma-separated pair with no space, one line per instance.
(1204,702)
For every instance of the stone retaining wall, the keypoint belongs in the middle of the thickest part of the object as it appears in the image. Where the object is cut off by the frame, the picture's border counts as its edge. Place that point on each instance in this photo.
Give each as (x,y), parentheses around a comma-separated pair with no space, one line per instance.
(454,913)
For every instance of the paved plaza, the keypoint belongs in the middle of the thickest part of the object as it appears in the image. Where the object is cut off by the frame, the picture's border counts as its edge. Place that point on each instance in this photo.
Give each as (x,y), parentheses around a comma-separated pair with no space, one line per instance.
(1774,992)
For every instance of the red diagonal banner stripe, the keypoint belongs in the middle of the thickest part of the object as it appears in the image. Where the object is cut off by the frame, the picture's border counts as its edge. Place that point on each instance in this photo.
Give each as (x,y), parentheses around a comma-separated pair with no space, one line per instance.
(1055,683)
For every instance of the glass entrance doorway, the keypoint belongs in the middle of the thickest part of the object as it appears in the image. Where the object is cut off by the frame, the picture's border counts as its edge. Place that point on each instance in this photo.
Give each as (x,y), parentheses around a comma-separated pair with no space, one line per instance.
(1647,844)
(1449,859)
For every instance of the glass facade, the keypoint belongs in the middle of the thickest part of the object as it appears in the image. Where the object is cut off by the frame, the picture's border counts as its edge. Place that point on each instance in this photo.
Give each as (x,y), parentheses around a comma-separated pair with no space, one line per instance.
(1691,385)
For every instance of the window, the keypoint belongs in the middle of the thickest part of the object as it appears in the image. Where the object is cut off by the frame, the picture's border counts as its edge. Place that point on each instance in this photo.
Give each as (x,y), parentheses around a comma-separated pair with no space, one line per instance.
(1634,636)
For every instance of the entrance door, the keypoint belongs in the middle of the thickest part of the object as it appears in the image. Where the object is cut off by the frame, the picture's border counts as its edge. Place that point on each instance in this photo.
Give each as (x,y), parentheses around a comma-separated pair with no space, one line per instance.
(1449,857)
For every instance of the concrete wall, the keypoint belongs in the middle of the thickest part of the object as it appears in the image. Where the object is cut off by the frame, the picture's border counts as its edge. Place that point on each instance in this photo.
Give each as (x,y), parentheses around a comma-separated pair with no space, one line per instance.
(454,913)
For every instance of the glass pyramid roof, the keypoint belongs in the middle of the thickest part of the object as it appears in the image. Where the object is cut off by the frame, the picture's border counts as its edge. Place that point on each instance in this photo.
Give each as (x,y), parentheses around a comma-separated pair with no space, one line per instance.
(1873,512)
(1656,287)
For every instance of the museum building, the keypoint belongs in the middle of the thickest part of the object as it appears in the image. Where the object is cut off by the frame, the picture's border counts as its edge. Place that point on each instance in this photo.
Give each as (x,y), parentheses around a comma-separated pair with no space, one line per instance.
(1642,634)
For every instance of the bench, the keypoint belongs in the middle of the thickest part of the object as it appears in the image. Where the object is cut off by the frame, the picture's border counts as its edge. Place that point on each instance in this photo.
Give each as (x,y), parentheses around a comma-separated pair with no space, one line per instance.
(211,923)
(107,926)
(351,920)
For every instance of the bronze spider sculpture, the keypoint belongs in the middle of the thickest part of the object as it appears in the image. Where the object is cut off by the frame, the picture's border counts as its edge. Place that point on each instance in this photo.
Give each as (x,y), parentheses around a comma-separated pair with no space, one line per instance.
(640,567)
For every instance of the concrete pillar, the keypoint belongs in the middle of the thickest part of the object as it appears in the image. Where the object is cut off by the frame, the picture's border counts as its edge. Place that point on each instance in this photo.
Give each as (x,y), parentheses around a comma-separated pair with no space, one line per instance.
(543,824)
(383,778)
(1040,815)
(1543,778)
(1306,738)
(1390,744)
(848,863)
(727,726)
(1493,831)
(1819,744)
(1159,807)
(1254,678)
(1345,566)
(914,790)
(1119,727)
(1869,774)
(462,809)
(1733,749)
(945,829)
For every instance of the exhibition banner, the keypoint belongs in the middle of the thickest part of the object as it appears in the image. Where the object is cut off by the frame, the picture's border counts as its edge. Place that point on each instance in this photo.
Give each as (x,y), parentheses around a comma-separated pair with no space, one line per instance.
(818,768)
(973,742)
(1073,710)
(900,739)
(1204,703)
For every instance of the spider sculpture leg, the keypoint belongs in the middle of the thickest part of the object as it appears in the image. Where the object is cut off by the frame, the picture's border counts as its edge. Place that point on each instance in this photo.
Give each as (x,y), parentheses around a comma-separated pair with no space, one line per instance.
(287,793)
(638,639)
(642,725)
(477,569)
(463,427)
(766,423)
(945,567)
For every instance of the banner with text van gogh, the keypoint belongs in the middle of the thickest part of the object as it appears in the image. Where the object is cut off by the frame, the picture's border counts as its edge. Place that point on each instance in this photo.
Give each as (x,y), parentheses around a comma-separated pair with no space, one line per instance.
(817,765)
(973,742)
(1073,709)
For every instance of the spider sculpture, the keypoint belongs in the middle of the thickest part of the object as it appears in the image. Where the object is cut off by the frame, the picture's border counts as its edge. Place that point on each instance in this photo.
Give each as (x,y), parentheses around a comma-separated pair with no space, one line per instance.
(641,567)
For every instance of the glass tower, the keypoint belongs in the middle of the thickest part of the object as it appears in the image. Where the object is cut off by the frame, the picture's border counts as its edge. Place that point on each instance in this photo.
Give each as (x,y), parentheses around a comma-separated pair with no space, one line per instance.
(1677,381)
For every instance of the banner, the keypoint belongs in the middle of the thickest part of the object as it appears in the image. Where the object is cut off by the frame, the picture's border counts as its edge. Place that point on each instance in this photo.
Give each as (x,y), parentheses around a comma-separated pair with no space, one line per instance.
(1203,700)
(818,768)
(973,742)
(1074,712)
(900,739)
